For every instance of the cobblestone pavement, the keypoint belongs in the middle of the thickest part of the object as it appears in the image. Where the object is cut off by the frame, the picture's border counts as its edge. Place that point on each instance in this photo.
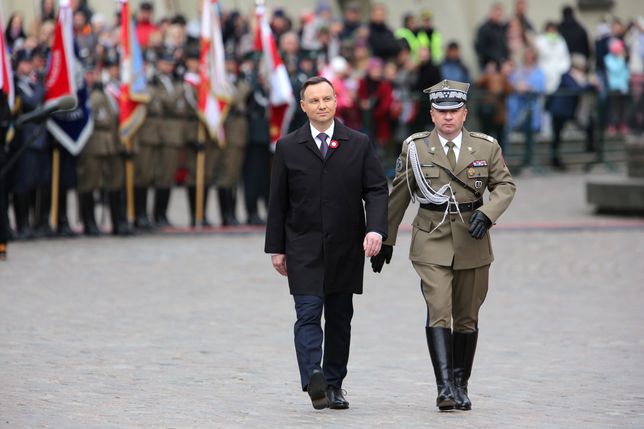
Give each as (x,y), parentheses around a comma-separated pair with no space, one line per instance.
(187,331)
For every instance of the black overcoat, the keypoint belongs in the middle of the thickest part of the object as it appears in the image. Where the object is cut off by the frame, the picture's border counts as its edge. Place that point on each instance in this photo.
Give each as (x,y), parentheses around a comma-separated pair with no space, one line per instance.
(316,214)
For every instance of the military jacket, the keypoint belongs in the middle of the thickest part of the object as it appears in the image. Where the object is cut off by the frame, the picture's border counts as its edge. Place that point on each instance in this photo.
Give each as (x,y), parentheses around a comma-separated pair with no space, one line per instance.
(191,121)
(446,240)
(149,133)
(104,139)
(236,124)
(175,110)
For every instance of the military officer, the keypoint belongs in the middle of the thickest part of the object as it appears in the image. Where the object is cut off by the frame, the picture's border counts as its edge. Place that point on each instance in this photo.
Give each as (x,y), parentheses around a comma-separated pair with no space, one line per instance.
(169,88)
(100,163)
(231,155)
(148,139)
(160,141)
(31,181)
(191,81)
(5,117)
(447,170)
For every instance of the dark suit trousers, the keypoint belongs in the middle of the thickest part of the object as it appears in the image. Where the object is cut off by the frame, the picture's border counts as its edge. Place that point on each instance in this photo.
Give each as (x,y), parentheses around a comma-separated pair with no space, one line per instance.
(338,311)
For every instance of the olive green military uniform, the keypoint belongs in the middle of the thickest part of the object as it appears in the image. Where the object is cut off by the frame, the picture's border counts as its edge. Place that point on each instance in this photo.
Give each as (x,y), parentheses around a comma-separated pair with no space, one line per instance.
(100,163)
(231,156)
(210,148)
(452,265)
(191,132)
(450,247)
(174,110)
(149,141)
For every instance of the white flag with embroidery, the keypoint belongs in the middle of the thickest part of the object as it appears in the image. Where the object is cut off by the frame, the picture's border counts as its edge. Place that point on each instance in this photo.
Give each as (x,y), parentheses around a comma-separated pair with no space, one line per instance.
(215,91)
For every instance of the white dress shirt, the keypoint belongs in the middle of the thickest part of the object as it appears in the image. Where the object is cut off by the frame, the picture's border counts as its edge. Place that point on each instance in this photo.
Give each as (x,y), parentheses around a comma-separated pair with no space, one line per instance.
(328,132)
(457,144)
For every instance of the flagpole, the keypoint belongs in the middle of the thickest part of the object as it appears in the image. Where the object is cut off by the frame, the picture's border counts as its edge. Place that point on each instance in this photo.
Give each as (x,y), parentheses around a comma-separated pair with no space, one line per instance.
(55,187)
(129,180)
(200,167)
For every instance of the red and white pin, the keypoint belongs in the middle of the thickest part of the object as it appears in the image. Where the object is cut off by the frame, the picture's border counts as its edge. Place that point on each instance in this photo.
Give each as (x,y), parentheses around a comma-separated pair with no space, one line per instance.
(334,144)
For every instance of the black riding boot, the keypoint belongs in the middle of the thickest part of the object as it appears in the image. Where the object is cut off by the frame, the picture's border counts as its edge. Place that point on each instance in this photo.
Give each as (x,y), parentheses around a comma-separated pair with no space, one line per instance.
(161,200)
(117,213)
(192,203)
(227,204)
(464,347)
(63,229)
(21,203)
(41,200)
(141,221)
(192,192)
(439,341)
(88,217)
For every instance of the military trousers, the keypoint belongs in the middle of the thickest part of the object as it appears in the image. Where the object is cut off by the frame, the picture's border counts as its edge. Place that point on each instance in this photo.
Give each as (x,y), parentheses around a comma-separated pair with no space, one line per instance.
(211,152)
(453,297)
(96,171)
(156,166)
(228,167)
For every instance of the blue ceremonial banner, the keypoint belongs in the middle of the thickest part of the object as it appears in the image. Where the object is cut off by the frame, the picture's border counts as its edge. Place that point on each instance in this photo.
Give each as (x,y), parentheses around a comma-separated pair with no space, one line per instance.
(73,129)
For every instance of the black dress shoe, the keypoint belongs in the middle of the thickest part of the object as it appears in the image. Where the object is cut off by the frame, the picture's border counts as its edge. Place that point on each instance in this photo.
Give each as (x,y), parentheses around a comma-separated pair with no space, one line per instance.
(317,390)
(336,398)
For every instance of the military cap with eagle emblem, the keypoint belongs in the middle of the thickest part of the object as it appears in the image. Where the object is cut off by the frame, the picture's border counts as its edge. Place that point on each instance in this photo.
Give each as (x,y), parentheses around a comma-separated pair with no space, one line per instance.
(448,94)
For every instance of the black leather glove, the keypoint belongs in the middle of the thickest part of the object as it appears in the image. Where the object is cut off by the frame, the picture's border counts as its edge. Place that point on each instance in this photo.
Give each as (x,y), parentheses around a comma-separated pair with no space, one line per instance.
(384,256)
(127,155)
(197,145)
(479,224)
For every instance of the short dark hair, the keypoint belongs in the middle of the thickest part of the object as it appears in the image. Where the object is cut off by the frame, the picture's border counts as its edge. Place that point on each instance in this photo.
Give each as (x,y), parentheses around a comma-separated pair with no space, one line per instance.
(314,81)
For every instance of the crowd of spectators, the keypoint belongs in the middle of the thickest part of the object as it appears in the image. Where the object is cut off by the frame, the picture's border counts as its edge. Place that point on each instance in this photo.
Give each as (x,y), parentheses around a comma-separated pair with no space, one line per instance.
(527,78)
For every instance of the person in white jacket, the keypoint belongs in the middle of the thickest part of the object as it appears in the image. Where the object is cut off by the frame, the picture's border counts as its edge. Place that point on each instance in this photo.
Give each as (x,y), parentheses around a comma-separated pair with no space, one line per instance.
(554,58)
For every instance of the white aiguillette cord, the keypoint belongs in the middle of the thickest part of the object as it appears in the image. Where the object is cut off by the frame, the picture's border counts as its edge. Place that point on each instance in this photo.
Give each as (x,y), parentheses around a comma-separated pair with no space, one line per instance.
(428,194)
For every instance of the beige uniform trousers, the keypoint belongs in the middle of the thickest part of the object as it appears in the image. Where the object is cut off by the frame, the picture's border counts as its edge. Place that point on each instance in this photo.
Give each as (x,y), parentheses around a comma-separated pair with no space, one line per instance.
(453,295)
(96,171)
(156,166)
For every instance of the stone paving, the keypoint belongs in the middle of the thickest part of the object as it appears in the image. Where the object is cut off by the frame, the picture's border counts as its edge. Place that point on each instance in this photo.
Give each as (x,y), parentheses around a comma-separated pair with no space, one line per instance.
(195,331)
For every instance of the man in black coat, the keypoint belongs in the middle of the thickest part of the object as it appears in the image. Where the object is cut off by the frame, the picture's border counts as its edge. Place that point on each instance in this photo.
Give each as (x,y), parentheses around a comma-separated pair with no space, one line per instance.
(318,236)
(574,33)
(490,43)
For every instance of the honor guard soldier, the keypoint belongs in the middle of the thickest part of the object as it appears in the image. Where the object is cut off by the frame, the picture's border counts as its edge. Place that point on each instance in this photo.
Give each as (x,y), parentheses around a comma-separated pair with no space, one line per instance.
(169,89)
(447,171)
(158,157)
(191,81)
(100,164)
(31,175)
(148,138)
(231,153)
(5,118)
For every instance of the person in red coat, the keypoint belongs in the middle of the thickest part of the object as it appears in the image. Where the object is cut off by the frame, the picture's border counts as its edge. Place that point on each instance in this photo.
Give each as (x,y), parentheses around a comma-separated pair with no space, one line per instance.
(327,210)
(375,96)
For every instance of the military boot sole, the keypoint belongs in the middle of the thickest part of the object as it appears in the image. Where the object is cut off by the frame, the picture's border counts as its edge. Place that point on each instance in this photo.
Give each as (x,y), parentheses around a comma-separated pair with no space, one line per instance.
(445,404)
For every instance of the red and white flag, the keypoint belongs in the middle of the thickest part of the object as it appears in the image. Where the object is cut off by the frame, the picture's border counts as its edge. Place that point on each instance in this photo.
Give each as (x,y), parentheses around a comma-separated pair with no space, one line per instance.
(133,95)
(215,92)
(72,129)
(281,99)
(60,74)
(6,72)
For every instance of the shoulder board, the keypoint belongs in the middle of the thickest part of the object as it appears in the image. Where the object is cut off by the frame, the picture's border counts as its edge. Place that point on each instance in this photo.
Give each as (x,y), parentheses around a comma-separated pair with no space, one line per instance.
(415,136)
(483,136)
